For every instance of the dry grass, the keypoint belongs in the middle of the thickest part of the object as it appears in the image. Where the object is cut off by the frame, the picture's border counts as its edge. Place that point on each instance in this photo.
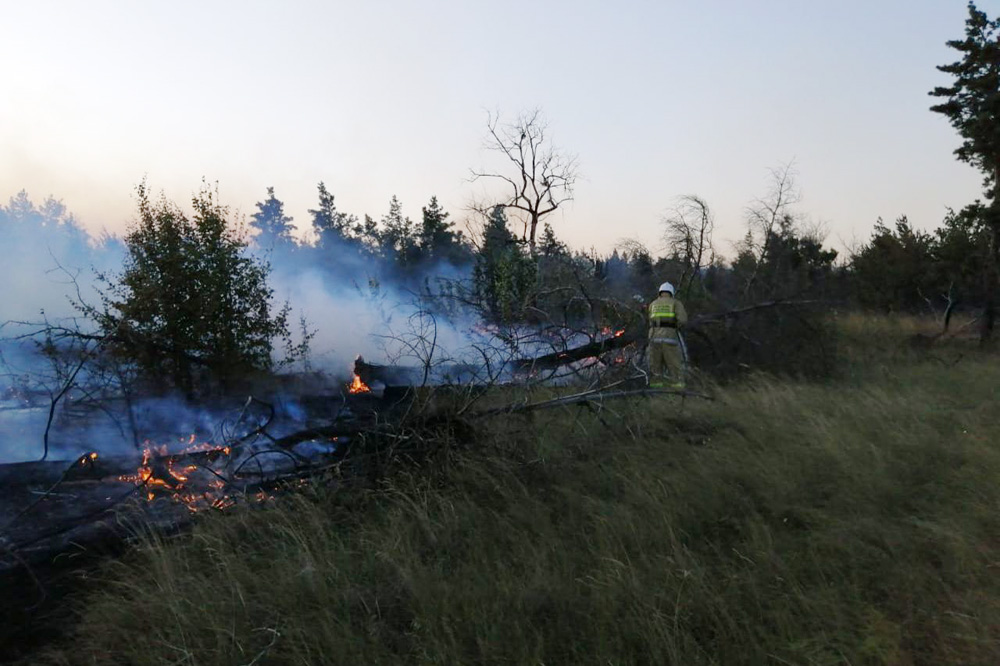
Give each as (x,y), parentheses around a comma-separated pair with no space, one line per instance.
(852,522)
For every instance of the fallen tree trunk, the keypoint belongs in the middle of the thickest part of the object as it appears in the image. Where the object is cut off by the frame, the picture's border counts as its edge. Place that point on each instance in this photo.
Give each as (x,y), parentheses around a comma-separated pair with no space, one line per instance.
(638,336)
(592,397)
(590,350)
(401,376)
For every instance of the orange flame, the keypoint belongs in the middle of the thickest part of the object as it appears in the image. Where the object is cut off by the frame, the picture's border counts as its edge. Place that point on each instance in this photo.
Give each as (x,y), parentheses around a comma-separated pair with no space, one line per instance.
(162,472)
(358,386)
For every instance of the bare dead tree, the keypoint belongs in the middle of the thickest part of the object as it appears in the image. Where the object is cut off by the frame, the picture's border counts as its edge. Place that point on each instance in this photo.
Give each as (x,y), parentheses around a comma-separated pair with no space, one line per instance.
(537,178)
(632,246)
(688,232)
(765,217)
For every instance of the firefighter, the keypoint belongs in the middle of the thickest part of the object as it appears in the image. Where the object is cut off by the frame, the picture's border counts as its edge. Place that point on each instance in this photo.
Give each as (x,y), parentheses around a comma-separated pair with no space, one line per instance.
(666,357)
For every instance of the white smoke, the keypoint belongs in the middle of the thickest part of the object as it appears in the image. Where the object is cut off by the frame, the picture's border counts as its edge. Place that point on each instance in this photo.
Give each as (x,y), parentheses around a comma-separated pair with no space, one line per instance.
(360,308)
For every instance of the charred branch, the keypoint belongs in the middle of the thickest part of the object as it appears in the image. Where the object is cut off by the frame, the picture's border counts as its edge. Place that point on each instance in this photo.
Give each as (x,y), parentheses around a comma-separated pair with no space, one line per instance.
(592,398)
(590,350)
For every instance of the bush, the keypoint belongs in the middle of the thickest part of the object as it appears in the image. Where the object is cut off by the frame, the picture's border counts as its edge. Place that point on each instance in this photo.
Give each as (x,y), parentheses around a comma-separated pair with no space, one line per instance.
(191,305)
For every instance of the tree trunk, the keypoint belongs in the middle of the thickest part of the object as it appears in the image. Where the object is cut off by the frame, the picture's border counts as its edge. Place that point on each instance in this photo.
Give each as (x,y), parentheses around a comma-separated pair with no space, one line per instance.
(992,279)
(992,262)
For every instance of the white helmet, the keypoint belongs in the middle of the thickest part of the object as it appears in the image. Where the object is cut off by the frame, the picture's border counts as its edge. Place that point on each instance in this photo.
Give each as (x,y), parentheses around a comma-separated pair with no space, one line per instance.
(666,286)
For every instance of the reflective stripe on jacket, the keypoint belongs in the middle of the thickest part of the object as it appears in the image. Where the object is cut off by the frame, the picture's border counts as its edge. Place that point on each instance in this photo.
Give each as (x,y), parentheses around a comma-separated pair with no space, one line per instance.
(666,315)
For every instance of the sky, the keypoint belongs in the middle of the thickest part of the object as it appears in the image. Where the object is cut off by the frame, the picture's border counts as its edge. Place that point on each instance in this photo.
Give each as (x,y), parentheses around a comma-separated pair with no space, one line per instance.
(656,99)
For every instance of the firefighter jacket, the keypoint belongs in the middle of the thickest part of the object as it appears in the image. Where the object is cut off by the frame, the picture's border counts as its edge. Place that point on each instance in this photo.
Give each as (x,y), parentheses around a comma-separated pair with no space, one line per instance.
(666,315)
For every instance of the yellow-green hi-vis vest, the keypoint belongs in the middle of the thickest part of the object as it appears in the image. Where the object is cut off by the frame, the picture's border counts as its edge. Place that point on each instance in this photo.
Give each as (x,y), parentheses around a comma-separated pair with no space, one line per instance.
(663,319)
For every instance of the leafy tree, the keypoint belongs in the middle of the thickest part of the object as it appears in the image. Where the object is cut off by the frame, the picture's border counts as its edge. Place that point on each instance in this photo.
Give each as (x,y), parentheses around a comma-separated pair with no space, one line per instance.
(503,275)
(274,228)
(191,303)
(972,106)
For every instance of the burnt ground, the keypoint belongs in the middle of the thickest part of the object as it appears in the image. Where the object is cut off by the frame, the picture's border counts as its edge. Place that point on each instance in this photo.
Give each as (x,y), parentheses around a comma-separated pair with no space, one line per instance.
(60,520)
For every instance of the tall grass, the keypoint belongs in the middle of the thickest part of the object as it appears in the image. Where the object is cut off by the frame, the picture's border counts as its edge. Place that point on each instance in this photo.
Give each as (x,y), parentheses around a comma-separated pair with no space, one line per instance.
(852,522)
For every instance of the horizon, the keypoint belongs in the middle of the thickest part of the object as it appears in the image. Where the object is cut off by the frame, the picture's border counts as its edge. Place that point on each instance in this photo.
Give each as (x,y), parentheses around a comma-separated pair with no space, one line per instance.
(390,99)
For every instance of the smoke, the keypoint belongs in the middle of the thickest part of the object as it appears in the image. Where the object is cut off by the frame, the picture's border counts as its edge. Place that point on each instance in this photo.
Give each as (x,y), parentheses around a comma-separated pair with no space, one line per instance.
(50,263)
(370,310)
(47,257)
(351,304)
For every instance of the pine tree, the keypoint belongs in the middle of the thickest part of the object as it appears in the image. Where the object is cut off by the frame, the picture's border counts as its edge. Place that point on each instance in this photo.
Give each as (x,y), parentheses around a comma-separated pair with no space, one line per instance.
(274,228)
(332,227)
(398,240)
(972,106)
(504,275)
(550,245)
(437,239)
(368,233)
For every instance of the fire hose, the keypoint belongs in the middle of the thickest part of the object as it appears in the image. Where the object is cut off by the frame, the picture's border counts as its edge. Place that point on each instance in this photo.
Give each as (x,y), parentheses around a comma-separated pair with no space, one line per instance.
(684,348)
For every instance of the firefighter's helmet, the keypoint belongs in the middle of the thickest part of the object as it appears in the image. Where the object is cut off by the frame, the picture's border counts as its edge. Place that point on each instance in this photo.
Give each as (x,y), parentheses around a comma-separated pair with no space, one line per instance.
(667,287)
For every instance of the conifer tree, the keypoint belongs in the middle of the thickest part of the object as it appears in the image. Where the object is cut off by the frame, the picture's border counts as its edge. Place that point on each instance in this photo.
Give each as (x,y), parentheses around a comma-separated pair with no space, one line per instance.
(397,238)
(972,106)
(274,228)
(504,274)
(331,226)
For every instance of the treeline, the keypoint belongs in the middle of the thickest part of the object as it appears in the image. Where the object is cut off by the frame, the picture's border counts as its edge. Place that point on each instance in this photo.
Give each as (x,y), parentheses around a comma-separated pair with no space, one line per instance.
(344,244)
(902,269)
(491,269)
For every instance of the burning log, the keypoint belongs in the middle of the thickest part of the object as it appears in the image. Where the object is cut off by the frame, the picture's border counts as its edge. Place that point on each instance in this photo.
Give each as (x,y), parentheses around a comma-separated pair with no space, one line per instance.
(77,510)
(373,374)
(619,340)
(48,507)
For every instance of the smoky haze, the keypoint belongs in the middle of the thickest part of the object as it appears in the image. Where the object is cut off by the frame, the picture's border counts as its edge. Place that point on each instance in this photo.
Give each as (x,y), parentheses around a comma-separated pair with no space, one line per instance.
(350,304)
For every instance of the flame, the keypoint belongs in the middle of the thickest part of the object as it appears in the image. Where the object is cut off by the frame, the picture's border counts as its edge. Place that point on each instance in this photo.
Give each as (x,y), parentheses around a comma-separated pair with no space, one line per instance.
(619,333)
(161,473)
(173,476)
(358,386)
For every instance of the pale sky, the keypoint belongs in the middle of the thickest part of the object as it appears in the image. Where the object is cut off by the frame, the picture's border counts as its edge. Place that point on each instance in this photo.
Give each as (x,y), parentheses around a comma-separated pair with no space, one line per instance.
(656,99)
